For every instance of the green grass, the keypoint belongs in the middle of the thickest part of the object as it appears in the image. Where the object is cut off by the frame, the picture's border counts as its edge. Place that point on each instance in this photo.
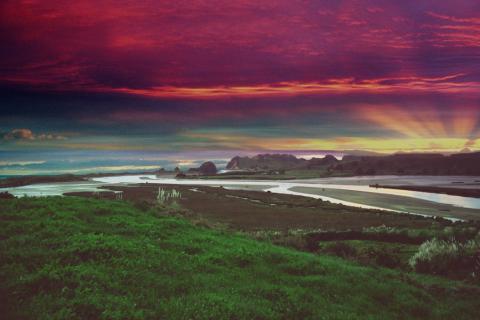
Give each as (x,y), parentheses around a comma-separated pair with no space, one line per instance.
(393,255)
(75,258)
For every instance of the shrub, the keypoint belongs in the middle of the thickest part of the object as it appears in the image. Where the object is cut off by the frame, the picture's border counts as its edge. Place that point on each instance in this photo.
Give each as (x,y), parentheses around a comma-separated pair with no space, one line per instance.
(448,258)
(142,205)
(341,249)
(293,241)
(385,259)
(6,195)
(365,253)
(380,229)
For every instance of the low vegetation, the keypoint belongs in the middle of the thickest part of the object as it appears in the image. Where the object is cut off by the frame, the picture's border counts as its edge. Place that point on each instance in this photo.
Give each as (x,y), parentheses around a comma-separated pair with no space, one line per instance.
(449,258)
(165,196)
(253,211)
(452,251)
(371,238)
(371,253)
(6,195)
(77,258)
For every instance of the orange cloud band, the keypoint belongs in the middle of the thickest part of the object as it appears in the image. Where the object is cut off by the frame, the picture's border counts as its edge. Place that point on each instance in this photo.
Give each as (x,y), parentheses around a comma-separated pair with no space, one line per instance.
(444,84)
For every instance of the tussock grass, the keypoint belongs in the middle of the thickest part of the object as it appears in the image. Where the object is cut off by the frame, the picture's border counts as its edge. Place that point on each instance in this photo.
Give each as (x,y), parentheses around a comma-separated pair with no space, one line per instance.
(165,196)
(450,258)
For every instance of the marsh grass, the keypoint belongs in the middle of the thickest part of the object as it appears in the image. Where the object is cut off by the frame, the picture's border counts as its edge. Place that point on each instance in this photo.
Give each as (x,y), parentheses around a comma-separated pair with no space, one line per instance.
(165,196)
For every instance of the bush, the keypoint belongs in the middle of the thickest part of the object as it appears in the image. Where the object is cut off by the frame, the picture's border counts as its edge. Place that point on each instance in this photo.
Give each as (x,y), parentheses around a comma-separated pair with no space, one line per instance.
(448,258)
(365,252)
(341,249)
(385,259)
(142,205)
(6,195)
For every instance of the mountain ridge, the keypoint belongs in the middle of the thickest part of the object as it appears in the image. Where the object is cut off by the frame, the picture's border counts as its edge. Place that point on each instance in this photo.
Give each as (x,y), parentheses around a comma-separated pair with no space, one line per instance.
(396,164)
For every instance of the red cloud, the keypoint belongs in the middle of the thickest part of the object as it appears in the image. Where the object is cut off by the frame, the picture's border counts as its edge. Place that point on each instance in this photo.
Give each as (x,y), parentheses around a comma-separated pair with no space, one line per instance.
(171,48)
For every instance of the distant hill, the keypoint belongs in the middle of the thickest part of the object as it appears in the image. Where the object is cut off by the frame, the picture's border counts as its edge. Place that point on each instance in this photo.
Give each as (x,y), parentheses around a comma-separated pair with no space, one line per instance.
(206,169)
(266,162)
(412,164)
(397,164)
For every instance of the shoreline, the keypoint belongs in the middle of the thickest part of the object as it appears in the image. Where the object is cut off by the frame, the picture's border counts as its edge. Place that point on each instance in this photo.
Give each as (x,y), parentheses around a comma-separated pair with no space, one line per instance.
(461,192)
(20,181)
(360,196)
(244,208)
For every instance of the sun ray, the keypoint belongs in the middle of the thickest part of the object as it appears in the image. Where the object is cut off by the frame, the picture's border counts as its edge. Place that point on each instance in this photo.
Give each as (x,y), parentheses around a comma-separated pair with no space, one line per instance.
(464,122)
(395,119)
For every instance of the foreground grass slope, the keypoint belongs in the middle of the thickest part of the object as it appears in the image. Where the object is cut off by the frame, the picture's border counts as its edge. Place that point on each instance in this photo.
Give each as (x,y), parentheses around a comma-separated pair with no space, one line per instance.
(73,258)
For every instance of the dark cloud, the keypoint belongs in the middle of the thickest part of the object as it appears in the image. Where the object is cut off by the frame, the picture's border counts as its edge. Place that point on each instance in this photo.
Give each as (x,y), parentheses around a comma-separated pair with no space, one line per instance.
(68,45)
(150,68)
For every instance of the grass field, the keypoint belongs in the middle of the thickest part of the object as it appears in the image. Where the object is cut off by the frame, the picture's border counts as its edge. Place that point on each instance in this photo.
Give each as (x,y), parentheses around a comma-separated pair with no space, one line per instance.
(77,258)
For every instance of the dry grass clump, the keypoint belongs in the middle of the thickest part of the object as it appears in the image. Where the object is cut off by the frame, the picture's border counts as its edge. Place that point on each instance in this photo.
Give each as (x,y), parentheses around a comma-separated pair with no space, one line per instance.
(164,196)
(448,258)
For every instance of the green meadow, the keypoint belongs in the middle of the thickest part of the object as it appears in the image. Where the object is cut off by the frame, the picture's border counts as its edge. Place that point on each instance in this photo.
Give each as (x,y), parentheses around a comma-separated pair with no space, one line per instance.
(80,258)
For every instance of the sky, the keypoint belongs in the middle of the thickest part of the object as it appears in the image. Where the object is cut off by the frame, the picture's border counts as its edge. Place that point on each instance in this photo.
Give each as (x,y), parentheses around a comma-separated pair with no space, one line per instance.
(198,79)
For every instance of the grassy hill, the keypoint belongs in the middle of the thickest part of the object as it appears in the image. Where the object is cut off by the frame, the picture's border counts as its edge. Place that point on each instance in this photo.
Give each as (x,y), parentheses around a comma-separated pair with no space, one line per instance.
(75,258)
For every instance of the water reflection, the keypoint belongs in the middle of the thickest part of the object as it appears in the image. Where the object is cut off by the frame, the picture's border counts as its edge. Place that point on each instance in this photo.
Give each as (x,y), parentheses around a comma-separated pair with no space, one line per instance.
(464,202)
(53,189)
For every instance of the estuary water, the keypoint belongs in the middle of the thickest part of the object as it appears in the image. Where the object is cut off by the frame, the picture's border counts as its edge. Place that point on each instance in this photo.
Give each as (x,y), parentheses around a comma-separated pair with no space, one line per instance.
(285,186)
(306,188)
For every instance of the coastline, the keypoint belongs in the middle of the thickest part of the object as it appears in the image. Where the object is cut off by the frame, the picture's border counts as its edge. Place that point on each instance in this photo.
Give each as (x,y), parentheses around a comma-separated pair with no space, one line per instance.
(19,181)
(462,192)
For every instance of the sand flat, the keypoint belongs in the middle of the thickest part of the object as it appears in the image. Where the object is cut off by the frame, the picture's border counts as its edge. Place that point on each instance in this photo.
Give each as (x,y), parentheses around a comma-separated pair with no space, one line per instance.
(393,202)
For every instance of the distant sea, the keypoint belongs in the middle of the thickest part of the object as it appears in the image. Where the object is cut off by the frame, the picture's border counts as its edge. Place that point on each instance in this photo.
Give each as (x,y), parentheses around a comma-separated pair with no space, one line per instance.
(82,162)
(54,162)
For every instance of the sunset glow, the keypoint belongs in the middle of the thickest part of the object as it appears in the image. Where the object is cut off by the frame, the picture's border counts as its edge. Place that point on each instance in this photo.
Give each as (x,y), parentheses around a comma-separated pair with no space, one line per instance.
(382,76)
